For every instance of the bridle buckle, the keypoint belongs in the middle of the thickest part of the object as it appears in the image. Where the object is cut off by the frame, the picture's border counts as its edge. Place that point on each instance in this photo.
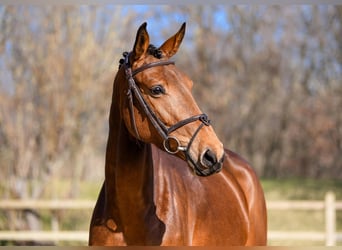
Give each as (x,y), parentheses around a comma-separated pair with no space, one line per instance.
(172,145)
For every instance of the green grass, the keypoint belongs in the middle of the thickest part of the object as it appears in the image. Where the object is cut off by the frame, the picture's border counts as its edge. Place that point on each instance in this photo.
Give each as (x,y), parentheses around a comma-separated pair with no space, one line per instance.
(300,189)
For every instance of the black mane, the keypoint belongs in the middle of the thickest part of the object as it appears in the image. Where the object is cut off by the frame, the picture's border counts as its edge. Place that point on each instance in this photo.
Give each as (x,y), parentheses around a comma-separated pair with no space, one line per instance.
(151,50)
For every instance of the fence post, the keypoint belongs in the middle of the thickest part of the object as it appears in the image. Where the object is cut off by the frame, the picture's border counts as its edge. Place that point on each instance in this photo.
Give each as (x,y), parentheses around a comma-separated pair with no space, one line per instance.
(330,219)
(55,223)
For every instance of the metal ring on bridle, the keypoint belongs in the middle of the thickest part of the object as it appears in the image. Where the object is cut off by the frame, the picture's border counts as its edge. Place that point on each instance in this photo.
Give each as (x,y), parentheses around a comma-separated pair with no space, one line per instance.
(172,145)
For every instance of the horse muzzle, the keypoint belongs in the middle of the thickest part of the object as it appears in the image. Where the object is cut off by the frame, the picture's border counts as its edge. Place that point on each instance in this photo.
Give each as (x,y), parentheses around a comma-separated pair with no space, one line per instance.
(208,164)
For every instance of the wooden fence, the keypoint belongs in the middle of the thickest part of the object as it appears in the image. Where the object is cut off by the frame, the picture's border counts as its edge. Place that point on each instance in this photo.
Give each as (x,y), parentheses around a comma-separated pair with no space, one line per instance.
(330,236)
(329,205)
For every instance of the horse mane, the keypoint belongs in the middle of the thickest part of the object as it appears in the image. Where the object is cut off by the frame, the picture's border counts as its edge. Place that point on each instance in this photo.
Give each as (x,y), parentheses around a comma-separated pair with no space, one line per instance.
(151,50)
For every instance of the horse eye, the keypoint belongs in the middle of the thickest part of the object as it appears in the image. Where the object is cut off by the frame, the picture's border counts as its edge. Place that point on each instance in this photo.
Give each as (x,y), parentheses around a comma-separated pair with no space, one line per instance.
(157,90)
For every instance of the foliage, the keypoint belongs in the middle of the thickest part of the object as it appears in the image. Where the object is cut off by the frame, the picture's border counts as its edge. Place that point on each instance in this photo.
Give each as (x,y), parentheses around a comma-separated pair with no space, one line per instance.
(271,80)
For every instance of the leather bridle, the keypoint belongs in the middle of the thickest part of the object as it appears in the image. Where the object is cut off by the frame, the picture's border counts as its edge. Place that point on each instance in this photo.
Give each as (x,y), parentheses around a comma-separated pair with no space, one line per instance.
(171,144)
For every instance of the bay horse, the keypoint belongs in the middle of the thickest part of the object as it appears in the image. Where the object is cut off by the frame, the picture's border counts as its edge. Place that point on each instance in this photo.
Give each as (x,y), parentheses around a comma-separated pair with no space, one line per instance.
(168,178)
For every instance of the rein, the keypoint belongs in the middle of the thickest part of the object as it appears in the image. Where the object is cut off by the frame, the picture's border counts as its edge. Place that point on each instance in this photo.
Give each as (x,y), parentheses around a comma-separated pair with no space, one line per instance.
(171,144)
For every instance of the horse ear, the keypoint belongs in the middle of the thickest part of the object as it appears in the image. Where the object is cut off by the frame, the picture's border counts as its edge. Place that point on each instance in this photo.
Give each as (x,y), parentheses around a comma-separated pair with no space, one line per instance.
(142,42)
(170,46)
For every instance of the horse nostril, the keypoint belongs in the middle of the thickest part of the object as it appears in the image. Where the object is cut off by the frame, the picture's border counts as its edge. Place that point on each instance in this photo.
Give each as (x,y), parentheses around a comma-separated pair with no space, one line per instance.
(209,158)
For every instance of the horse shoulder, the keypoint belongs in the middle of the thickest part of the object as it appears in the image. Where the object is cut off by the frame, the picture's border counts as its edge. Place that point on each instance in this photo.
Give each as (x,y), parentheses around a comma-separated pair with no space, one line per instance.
(196,208)
(250,184)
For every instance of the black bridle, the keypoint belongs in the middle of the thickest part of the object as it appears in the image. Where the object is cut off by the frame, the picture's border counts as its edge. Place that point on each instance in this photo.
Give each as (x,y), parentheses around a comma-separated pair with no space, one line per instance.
(171,144)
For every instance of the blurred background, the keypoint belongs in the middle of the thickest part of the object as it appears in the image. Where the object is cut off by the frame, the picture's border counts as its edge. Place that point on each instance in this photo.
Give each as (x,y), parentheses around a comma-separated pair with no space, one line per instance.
(270,78)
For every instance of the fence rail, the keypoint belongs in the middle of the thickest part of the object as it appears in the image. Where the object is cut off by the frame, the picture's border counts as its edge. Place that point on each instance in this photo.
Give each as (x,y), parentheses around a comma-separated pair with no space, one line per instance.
(329,205)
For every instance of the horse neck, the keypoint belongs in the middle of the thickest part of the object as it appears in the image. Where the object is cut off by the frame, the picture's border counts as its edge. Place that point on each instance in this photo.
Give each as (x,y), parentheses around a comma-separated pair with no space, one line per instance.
(128,168)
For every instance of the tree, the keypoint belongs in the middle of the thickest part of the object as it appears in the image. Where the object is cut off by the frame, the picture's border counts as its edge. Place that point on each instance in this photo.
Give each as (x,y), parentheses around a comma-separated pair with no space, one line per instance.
(58,64)
(265,74)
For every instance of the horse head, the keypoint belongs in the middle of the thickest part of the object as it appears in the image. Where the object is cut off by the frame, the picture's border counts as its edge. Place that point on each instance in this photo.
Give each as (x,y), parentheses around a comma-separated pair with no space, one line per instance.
(157,105)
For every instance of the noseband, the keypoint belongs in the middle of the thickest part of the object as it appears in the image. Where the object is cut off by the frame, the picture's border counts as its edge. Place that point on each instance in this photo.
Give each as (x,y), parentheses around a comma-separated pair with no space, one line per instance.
(171,144)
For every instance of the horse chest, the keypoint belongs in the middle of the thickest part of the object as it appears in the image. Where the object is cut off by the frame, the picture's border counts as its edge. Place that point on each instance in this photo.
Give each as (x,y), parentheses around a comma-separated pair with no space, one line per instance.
(199,211)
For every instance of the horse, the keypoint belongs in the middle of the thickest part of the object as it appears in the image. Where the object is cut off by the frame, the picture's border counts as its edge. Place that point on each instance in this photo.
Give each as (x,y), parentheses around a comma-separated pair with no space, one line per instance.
(168,179)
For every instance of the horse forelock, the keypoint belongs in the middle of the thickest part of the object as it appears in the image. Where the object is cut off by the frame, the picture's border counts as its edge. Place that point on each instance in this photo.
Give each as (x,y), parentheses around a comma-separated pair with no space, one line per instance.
(154,51)
(151,50)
